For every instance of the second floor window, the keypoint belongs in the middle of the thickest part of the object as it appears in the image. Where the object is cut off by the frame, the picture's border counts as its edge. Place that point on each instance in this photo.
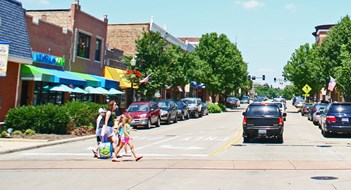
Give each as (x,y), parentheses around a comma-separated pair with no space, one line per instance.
(98,50)
(83,46)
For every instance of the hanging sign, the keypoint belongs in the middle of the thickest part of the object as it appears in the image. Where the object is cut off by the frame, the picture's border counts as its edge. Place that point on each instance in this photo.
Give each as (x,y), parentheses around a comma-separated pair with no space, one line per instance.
(48,59)
(4,54)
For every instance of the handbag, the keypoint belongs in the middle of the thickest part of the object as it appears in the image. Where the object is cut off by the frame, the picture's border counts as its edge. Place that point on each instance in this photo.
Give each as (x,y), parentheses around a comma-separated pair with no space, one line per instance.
(105,148)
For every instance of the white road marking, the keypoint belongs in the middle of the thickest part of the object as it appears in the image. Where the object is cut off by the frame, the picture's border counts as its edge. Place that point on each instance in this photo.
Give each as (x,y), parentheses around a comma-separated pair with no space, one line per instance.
(182,148)
(85,154)
(139,148)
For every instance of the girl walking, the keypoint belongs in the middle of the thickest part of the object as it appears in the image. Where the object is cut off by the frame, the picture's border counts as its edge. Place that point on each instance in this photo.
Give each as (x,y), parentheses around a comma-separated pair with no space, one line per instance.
(126,139)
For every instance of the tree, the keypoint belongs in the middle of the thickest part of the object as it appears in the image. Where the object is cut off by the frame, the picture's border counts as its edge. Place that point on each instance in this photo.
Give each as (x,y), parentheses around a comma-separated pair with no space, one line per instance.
(332,57)
(301,68)
(228,72)
(343,73)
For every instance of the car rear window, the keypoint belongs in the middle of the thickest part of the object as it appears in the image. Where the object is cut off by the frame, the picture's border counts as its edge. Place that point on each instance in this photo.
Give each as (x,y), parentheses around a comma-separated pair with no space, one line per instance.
(340,108)
(258,110)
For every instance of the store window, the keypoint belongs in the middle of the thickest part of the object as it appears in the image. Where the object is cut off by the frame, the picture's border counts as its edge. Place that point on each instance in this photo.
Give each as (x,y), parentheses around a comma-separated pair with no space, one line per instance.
(98,50)
(83,46)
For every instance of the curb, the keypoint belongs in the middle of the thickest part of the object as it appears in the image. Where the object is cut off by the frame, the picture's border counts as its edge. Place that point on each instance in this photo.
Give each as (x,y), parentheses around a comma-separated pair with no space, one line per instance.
(48,144)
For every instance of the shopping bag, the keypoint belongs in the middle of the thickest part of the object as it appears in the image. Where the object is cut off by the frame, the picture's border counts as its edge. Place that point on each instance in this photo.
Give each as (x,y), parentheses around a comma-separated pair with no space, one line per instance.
(105,148)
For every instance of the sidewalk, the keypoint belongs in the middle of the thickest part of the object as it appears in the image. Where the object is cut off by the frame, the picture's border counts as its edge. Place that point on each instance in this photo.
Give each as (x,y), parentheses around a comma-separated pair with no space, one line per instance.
(9,145)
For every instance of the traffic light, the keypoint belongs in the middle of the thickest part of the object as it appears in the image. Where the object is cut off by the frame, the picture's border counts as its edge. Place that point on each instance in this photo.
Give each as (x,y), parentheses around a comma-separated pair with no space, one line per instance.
(249,77)
(253,78)
(285,79)
(263,77)
(275,79)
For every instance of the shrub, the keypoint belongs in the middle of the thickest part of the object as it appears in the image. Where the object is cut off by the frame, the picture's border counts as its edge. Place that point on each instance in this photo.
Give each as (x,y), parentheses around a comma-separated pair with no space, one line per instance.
(20,118)
(214,108)
(3,134)
(222,106)
(17,133)
(29,132)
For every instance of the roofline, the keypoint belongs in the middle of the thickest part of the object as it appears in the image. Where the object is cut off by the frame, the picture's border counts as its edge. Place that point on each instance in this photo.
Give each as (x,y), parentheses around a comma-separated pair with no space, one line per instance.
(46,10)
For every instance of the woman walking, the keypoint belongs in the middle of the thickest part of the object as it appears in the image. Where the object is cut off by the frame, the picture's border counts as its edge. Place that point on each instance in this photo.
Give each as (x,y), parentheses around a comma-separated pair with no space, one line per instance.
(126,139)
(107,128)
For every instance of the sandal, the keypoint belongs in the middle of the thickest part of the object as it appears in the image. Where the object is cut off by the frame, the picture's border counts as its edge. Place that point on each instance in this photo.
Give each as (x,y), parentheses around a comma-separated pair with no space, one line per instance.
(115,160)
(96,155)
(140,157)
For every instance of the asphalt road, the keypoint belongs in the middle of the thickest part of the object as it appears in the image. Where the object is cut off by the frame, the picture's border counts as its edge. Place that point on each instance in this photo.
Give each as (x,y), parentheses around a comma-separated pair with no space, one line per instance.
(204,153)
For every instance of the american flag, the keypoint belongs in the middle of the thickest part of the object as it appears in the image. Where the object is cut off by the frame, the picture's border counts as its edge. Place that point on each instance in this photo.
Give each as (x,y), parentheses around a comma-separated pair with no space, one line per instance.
(331,84)
(145,80)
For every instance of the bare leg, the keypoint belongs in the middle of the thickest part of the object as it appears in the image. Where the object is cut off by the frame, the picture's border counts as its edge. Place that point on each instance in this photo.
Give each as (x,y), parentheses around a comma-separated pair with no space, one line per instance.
(132,148)
(125,149)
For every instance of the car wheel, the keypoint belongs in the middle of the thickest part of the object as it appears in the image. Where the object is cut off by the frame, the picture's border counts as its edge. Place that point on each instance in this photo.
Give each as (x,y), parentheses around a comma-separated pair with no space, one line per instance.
(246,139)
(280,138)
(175,118)
(148,125)
(182,117)
(325,133)
(158,124)
(168,120)
(196,114)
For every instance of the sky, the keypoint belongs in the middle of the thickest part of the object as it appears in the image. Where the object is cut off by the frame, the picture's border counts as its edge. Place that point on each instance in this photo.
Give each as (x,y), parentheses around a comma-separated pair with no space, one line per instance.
(266,32)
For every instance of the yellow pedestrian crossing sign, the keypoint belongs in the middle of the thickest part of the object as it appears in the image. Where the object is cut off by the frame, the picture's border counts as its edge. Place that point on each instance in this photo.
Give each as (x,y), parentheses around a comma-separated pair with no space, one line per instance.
(306,89)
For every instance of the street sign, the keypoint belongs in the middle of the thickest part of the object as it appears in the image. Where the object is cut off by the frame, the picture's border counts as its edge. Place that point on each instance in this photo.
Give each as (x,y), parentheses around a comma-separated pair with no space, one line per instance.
(306,89)
(307,95)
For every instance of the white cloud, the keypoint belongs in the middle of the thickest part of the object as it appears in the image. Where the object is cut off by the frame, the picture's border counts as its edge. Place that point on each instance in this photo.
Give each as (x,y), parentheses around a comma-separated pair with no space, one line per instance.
(290,7)
(250,4)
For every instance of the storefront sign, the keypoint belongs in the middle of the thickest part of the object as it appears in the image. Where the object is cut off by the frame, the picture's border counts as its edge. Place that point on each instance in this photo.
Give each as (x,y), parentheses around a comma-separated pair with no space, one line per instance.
(4,54)
(48,59)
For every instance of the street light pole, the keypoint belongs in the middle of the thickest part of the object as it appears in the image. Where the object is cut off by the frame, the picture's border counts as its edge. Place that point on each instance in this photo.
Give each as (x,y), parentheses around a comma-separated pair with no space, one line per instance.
(132,64)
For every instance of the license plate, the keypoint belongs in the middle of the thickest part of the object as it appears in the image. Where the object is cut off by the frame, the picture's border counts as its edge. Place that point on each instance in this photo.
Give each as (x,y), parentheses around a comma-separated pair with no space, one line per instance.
(262,131)
(345,119)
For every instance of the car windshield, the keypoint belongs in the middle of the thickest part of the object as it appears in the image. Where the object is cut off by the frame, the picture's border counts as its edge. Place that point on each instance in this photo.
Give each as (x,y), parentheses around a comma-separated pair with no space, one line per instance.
(163,104)
(341,108)
(138,108)
(231,99)
(189,101)
(263,110)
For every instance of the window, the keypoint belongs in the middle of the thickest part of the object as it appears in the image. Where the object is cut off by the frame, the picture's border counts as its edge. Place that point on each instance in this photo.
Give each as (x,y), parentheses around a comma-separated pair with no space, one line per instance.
(83,46)
(98,50)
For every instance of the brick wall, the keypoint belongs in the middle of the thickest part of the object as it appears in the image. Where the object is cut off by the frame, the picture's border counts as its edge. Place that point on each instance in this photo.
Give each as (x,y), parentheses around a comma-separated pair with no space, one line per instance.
(59,17)
(48,38)
(8,87)
(123,36)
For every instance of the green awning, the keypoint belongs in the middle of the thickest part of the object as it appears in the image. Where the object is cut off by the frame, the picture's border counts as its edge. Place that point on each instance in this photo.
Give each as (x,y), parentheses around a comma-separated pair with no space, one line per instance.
(29,72)
(91,81)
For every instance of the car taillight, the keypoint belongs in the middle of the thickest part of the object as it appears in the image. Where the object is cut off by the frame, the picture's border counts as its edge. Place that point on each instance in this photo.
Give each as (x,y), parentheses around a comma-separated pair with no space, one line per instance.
(314,109)
(280,121)
(331,119)
(244,121)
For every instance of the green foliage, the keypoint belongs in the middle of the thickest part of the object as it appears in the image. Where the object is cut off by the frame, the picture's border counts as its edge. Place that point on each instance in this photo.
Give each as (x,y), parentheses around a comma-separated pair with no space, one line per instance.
(3,134)
(228,71)
(222,106)
(343,72)
(52,118)
(265,90)
(29,132)
(17,133)
(214,108)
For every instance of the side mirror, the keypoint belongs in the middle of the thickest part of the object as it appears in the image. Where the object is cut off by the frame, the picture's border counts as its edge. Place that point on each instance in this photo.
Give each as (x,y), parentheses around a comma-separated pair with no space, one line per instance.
(284,114)
(244,113)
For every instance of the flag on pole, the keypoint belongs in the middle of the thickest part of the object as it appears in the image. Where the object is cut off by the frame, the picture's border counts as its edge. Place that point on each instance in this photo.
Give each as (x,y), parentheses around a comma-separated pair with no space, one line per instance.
(145,80)
(332,84)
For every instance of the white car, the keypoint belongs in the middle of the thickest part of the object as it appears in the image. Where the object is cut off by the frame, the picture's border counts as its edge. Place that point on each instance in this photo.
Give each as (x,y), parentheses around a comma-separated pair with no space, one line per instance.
(282,108)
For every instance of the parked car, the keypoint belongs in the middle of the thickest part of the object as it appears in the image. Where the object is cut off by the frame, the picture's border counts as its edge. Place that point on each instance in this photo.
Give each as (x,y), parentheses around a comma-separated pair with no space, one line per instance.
(245,100)
(183,110)
(232,102)
(281,107)
(305,109)
(195,106)
(263,120)
(204,109)
(316,115)
(336,119)
(144,114)
(313,109)
(169,111)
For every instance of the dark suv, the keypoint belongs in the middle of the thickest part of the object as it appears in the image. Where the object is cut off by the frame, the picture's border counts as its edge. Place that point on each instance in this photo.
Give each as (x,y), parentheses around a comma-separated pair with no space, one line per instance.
(169,111)
(263,120)
(144,114)
(336,118)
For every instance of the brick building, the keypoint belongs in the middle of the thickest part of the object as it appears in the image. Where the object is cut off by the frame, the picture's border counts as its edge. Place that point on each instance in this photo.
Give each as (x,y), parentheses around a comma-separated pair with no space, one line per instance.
(68,44)
(14,52)
(123,37)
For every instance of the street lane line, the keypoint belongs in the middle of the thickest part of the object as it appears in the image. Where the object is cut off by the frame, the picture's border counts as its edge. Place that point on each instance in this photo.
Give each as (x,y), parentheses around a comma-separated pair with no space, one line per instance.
(139,148)
(235,139)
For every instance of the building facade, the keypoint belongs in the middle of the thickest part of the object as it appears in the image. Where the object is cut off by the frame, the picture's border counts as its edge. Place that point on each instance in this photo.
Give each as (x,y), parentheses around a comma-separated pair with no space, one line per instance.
(14,52)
